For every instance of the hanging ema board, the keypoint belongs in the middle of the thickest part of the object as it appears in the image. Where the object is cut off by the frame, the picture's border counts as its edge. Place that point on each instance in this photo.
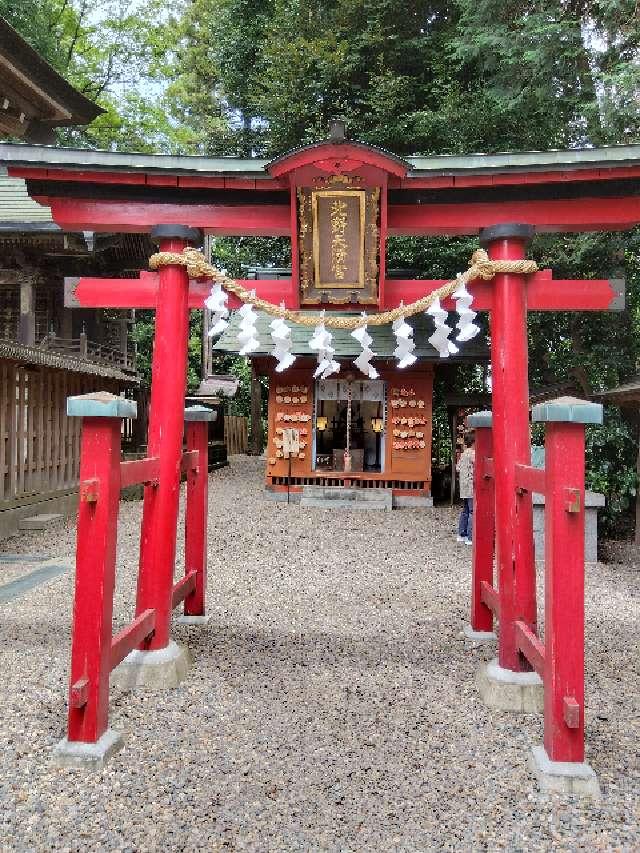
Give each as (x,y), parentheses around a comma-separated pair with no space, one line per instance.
(290,442)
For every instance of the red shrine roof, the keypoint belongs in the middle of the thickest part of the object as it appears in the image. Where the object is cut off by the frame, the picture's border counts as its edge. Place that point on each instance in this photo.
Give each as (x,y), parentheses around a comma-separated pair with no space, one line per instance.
(566,190)
(421,166)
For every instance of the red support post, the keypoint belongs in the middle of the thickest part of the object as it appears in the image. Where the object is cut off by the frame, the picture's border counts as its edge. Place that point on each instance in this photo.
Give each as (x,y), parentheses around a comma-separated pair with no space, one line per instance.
(564,575)
(166,425)
(483,522)
(511,441)
(95,561)
(197,420)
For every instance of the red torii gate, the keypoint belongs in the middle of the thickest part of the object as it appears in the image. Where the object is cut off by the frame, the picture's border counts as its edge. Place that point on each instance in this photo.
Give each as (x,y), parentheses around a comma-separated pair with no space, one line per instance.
(119,193)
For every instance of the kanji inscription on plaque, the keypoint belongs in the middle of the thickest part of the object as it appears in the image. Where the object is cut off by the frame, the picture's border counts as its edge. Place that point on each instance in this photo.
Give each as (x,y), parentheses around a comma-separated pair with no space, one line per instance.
(338,244)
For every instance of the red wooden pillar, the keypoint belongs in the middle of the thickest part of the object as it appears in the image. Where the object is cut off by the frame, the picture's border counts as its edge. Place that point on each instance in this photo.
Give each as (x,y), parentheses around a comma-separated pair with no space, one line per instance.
(483,523)
(564,574)
(166,426)
(511,439)
(95,561)
(197,420)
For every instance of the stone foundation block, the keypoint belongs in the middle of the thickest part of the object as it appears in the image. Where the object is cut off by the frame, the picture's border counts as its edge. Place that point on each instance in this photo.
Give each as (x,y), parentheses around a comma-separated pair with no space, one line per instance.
(87,756)
(563,777)
(412,501)
(193,620)
(161,669)
(39,522)
(478,636)
(505,690)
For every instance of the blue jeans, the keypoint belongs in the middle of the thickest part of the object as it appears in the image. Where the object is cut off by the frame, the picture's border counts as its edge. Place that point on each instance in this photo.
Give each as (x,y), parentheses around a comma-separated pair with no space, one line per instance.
(465,525)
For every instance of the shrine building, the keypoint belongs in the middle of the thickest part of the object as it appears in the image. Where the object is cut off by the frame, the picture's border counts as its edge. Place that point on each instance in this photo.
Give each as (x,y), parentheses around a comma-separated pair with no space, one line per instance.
(390,422)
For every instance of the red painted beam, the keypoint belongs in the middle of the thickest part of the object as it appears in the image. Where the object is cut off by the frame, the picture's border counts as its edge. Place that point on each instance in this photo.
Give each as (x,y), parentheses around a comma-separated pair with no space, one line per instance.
(141,178)
(571,712)
(547,294)
(581,214)
(79,693)
(183,588)
(258,220)
(410,290)
(142,292)
(189,461)
(139,471)
(543,292)
(131,636)
(530,479)
(490,596)
(530,646)
(585,214)
(275,291)
(78,175)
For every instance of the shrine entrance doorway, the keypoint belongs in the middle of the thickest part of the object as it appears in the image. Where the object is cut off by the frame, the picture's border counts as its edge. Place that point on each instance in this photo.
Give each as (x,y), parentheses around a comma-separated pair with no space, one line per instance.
(349,414)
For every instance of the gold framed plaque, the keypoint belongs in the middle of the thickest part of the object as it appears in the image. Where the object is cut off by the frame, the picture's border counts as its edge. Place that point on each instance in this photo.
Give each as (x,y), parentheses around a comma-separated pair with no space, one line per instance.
(338,243)
(338,239)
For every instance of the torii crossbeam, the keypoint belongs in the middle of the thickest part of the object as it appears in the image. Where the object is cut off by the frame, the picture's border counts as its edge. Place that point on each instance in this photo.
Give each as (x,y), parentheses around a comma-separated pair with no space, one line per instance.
(544,293)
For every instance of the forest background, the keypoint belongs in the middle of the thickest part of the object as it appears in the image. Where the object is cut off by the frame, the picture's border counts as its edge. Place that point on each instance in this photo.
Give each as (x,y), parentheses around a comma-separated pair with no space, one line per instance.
(259,77)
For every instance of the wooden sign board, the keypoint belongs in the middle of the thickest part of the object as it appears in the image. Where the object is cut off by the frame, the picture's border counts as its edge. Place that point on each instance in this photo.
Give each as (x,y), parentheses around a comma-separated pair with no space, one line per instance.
(338,240)
(290,442)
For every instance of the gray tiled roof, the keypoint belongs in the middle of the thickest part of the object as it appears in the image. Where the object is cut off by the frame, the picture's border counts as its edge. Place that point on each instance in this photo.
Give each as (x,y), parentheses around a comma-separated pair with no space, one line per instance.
(383,345)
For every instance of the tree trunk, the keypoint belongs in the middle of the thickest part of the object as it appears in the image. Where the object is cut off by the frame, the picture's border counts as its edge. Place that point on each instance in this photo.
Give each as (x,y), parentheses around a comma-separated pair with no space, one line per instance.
(255,447)
(637,533)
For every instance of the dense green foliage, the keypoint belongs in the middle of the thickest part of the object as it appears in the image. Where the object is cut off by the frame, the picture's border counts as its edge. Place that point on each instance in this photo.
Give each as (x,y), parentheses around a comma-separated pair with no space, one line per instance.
(261,76)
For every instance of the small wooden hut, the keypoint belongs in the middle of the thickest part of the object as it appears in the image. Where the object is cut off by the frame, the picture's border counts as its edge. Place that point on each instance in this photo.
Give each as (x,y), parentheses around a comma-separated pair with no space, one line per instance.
(385,422)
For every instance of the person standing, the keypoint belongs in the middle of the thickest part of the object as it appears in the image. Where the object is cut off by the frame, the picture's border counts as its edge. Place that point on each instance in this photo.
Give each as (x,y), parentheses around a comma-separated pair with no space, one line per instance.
(465,468)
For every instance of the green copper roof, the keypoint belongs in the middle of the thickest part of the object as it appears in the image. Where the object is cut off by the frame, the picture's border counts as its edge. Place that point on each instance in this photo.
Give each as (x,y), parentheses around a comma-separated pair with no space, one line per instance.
(609,157)
(383,345)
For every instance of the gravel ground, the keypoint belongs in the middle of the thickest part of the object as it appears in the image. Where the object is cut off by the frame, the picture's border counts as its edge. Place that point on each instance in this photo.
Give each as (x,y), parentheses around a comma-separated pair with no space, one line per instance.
(331,704)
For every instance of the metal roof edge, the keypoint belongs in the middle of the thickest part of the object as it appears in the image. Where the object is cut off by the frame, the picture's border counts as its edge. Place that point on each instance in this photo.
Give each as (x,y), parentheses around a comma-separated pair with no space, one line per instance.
(23,154)
(16,153)
(609,156)
(31,226)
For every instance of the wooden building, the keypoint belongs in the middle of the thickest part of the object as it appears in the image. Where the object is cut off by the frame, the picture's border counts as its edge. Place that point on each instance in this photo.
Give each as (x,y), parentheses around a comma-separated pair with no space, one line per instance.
(34,98)
(389,422)
(49,351)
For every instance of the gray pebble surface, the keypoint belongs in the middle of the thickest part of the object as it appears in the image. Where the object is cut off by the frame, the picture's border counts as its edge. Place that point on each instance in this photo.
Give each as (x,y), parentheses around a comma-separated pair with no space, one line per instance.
(331,704)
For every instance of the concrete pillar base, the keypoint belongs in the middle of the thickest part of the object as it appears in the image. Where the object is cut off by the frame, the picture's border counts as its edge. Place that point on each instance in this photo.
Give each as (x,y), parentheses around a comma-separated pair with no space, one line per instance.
(478,636)
(564,777)
(193,620)
(87,756)
(160,669)
(510,691)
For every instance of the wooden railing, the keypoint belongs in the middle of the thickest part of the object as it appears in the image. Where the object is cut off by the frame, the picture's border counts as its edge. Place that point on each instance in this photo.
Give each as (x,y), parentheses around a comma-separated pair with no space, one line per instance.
(235,431)
(82,347)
